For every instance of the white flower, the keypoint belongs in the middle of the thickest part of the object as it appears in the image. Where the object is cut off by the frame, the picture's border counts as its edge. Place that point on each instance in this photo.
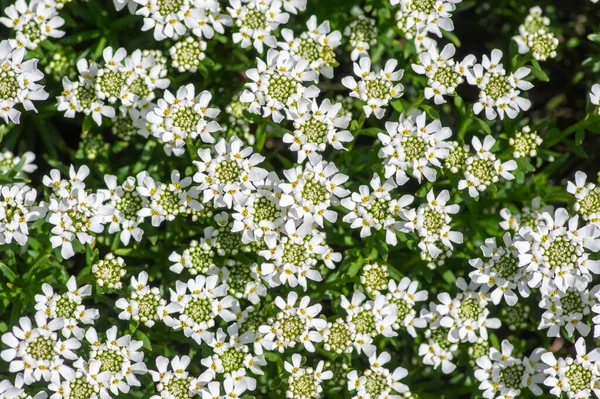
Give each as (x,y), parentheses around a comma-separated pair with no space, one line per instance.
(73,212)
(295,258)
(37,351)
(500,271)
(87,378)
(174,381)
(316,46)
(277,85)
(172,20)
(442,72)
(437,350)
(315,127)
(227,176)
(587,196)
(405,295)
(305,382)
(371,317)
(432,222)
(466,315)
(311,190)
(500,93)
(503,375)
(482,169)
(261,217)
(119,356)
(362,34)
(17,210)
(428,16)
(414,146)
(68,307)
(577,377)
(177,118)
(294,324)
(376,89)
(378,381)
(18,80)
(558,250)
(376,209)
(144,303)
(196,304)
(568,309)
(256,20)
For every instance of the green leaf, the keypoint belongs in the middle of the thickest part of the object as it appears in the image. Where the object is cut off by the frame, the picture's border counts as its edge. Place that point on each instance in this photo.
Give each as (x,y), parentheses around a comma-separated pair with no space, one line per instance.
(8,272)
(355,268)
(145,340)
(452,37)
(536,70)
(261,136)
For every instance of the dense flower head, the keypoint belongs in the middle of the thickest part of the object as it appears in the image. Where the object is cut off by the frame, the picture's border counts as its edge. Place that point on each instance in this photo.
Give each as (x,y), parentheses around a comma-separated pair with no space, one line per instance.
(504,375)
(525,143)
(315,128)
(413,146)
(443,73)
(482,168)
(375,89)
(362,34)
(178,118)
(17,210)
(535,36)
(374,208)
(128,80)
(173,19)
(32,23)
(499,91)
(577,376)
(256,20)
(317,46)
(310,191)
(587,197)
(187,54)
(18,82)
(431,220)
(277,86)
(466,315)
(109,271)
(557,252)
(228,173)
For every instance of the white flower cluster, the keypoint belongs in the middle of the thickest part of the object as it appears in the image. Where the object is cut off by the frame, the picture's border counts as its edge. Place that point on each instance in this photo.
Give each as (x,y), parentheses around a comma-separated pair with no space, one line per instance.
(499,93)
(49,350)
(277,86)
(173,19)
(418,18)
(375,89)
(181,117)
(504,375)
(18,82)
(481,168)
(257,19)
(33,22)
(130,81)
(362,34)
(317,46)
(587,197)
(412,145)
(535,36)
(17,210)
(442,72)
